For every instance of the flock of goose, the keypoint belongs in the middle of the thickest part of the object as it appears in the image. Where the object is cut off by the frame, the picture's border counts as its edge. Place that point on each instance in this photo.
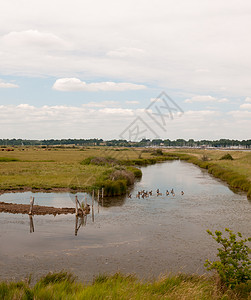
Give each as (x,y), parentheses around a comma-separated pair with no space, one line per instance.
(145,194)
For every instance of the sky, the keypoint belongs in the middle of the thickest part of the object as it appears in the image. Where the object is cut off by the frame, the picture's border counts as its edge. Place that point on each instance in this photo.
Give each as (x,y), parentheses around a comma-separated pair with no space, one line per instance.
(125,69)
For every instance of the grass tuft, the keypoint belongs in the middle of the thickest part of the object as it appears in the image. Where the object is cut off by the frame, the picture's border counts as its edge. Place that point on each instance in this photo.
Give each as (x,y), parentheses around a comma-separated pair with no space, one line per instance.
(8,159)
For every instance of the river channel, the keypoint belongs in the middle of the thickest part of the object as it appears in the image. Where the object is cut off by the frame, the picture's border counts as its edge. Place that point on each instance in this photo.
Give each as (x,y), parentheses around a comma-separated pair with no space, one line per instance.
(147,236)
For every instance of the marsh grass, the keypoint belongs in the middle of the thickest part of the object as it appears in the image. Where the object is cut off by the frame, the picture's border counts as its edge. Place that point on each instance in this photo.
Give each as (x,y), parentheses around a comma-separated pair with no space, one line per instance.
(37,168)
(8,159)
(118,286)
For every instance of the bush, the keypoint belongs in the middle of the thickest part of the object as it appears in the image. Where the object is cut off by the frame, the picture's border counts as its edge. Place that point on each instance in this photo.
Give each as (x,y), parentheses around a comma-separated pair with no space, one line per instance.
(234,265)
(204,157)
(114,188)
(157,152)
(99,161)
(123,175)
(227,156)
(137,172)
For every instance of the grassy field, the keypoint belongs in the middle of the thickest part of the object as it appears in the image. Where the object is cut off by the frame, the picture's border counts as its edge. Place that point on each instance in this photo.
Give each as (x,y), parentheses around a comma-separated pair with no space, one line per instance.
(63,286)
(56,168)
(37,168)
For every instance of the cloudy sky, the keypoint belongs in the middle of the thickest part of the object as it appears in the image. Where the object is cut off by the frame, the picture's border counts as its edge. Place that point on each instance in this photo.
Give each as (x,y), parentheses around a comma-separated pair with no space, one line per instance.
(83,69)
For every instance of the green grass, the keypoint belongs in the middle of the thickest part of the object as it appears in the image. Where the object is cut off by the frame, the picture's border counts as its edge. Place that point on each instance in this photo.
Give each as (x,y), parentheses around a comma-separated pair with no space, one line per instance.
(64,286)
(8,159)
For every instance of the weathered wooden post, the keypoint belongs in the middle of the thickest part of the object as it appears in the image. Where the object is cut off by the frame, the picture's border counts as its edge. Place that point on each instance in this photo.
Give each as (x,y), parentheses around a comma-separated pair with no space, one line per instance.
(98,201)
(76,226)
(31,205)
(102,196)
(31,224)
(93,206)
(76,203)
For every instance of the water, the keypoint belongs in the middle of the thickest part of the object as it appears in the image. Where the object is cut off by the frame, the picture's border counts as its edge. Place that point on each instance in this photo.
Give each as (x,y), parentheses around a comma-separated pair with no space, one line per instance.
(147,236)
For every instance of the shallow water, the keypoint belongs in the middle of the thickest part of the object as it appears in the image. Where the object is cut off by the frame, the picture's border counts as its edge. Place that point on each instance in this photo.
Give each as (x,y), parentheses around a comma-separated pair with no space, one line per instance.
(146,236)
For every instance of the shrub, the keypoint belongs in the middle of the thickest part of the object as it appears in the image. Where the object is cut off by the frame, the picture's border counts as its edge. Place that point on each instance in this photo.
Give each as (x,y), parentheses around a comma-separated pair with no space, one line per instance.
(227,156)
(114,188)
(99,161)
(157,152)
(123,175)
(137,172)
(87,160)
(204,157)
(234,265)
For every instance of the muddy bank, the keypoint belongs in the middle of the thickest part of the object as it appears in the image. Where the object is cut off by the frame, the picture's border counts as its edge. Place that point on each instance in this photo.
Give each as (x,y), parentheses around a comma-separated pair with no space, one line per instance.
(37,209)
(39,190)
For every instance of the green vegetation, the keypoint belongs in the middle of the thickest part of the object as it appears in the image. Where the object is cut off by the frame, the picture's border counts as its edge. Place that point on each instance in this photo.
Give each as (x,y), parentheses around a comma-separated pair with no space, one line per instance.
(90,167)
(60,169)
(227,156)
(64,286)
(100,161)
(234,265)
(8,159)
(157,152)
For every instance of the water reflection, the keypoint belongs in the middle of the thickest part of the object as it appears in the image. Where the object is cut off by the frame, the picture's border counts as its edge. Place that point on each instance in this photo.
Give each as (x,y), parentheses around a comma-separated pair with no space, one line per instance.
(80,222)
(114,201)
(32,229)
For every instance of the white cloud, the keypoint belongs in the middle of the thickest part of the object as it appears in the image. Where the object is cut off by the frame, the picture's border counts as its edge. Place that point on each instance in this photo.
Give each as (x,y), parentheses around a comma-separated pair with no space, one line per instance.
(246,106)
(132,102)
(205,98)
(75,84)
(156,100)
(126,52)
(7,85)
(241,116)
(248,99)
(61,121)
(30,39)
(183,45)
(101,104)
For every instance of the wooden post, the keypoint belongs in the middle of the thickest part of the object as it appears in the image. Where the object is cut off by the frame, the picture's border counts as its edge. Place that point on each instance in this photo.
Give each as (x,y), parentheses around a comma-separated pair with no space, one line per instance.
(102,196)
(98,201)
(80,207)
(76,226)
(93,206)
(31,205)
(31,224)
(76,203)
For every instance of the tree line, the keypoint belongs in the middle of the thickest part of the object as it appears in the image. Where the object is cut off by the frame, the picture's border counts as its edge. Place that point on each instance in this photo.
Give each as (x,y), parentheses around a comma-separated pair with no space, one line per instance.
(124,143)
